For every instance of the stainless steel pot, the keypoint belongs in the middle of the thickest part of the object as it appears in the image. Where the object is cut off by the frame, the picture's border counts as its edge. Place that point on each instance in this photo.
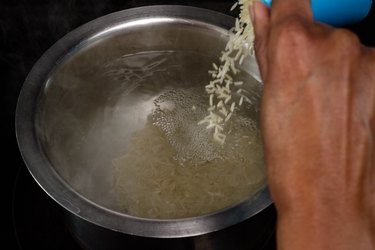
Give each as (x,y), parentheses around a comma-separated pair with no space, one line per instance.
(58,88)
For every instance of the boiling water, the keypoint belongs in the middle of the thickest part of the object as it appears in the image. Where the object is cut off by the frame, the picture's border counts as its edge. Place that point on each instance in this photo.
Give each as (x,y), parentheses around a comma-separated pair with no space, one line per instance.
(123,132)
(174,169)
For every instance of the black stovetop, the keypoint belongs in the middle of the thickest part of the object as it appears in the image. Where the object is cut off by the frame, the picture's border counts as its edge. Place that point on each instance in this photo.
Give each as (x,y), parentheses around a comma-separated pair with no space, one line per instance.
(27,30)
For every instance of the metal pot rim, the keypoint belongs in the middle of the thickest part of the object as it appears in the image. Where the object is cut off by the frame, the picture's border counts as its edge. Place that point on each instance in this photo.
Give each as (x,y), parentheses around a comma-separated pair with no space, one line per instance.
(49,180)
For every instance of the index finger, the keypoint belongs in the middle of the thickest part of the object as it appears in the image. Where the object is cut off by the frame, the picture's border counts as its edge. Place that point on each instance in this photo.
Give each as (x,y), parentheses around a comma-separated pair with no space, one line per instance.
(283,9)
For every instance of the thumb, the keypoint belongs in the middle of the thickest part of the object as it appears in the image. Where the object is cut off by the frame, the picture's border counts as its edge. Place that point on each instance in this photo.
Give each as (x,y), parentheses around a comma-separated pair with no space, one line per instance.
(260,16)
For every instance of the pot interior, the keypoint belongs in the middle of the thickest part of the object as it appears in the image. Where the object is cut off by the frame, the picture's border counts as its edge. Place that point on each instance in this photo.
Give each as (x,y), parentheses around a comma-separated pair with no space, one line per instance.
(125,86)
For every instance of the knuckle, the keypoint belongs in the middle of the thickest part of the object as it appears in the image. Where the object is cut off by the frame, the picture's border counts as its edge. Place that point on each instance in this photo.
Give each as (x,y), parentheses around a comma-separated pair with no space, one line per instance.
(347,41)
(292,28)
(292,33)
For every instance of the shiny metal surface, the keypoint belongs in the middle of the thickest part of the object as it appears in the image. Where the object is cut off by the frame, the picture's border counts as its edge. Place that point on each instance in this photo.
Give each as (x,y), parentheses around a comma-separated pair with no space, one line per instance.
(74,78)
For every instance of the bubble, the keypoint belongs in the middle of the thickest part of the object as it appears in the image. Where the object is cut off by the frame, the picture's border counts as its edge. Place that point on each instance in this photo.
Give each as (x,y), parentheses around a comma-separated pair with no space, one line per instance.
(175,116)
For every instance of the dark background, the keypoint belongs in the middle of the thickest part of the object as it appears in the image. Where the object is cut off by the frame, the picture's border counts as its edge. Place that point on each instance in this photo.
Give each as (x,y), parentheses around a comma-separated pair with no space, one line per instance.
(27,29)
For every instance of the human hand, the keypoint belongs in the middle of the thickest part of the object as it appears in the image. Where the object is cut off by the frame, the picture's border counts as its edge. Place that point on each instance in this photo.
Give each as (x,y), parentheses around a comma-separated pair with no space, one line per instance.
(318,127)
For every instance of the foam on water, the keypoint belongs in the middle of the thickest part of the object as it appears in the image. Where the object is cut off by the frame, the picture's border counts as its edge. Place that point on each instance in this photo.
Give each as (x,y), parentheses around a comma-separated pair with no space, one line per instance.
(177,114)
